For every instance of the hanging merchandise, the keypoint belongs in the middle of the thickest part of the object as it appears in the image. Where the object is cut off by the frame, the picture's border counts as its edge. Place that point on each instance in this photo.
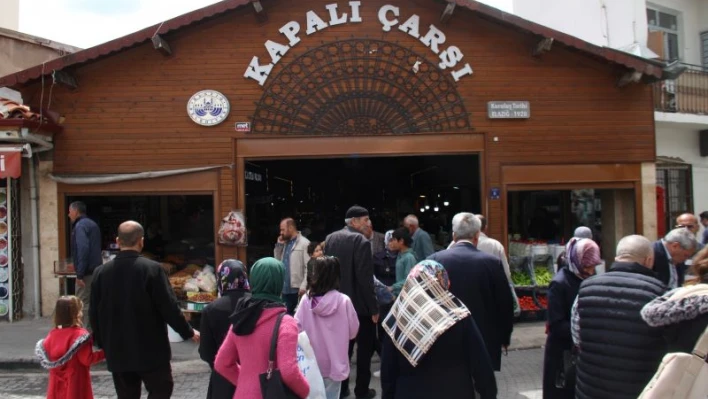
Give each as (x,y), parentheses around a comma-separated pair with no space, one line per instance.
(233,229)
(5,267)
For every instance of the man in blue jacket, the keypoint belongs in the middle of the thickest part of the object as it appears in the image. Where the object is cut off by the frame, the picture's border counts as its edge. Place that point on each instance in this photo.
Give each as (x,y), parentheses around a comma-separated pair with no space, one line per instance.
(85,252)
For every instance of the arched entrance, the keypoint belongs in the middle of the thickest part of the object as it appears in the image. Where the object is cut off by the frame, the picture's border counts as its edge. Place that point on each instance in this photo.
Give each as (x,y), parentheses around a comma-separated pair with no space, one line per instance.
(360,87)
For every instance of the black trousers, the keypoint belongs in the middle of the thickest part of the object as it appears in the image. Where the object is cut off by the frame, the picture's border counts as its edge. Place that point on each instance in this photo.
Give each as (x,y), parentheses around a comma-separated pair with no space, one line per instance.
(158,383)
(365,343)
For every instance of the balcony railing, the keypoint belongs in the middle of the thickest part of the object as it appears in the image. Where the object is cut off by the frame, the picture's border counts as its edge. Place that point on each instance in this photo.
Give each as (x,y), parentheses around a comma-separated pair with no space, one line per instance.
(687,94)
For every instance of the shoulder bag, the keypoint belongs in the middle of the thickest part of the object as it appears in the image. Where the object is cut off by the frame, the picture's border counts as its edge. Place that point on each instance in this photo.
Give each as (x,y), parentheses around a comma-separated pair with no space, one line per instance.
(272,385)
(681,375)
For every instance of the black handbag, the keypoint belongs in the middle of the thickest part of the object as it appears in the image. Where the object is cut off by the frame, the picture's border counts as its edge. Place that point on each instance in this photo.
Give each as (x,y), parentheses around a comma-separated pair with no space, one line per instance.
(272,386)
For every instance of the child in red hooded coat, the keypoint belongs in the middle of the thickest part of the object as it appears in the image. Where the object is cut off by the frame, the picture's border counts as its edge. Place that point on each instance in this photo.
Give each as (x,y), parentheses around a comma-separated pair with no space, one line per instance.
(67,352)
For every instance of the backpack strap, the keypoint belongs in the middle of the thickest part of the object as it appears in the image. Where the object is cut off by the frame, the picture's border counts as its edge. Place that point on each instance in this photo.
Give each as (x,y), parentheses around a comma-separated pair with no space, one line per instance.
(274,344)
(701,348)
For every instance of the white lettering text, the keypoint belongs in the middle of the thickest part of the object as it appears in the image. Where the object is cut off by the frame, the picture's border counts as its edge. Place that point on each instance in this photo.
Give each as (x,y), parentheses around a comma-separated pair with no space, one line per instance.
(387,24)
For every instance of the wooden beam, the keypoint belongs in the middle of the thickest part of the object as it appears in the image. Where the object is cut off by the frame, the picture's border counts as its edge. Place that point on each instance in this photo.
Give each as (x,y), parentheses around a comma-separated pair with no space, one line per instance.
(448,11)
(543,46)
(629,77)
(64,78)
(161,45)
(261,14)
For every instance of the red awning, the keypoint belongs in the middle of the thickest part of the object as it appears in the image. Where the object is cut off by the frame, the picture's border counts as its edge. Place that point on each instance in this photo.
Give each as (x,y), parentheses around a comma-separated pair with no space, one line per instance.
(10,162)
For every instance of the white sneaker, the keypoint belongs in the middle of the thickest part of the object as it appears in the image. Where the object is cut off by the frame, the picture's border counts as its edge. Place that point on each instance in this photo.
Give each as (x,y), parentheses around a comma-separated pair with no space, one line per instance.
(377,374)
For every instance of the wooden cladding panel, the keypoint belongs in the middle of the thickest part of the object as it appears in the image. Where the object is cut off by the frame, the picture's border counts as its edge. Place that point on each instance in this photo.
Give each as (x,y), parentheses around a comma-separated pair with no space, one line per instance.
(129,112)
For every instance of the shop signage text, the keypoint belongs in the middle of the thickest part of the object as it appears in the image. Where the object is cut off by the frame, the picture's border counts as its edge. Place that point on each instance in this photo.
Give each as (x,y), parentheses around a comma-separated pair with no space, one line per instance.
(253,176)
(508,110)
(243,127)
(434,38)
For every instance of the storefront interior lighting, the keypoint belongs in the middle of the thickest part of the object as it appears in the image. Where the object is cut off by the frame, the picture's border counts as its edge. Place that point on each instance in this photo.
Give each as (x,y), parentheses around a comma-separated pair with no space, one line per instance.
(427,207)
(446,203)
(422,196)
(455,187)
(422,210)
(436,209)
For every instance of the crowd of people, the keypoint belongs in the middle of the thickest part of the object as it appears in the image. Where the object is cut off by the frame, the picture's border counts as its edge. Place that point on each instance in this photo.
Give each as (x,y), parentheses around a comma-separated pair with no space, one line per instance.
(440,321)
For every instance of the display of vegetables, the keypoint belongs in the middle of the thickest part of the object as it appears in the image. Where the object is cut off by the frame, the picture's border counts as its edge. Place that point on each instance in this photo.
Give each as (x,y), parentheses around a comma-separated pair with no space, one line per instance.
(543,301)
(527,304)
(543,276)
(520,278)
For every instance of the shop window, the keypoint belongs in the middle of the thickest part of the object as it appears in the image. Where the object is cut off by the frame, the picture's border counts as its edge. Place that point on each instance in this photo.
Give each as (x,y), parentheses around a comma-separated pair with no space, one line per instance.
(674,194)
(664,33)
(179,229)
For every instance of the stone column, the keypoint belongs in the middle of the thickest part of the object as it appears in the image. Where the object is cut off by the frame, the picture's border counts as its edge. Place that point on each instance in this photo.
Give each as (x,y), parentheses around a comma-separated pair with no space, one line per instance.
(618,220)
(649,200)
(48,236)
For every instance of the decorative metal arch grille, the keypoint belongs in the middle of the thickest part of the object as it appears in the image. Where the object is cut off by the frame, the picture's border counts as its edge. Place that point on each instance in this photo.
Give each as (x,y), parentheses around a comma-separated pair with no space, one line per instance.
(360,86)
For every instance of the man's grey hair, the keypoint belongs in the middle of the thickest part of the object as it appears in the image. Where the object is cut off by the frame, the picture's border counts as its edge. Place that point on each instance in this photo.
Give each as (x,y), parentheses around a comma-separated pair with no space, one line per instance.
(348,221)
(412,220)
(683,236)
(634,248)
(466,225)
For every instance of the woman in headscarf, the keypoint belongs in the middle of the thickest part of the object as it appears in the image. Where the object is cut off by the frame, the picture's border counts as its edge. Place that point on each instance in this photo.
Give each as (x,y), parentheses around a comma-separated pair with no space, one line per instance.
(244,354)
(582,255)
(683,312)
(232,285)
(432,346)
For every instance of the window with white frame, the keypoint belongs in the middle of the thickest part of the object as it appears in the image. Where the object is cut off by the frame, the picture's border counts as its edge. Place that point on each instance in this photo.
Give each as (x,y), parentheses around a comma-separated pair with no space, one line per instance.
(663,33)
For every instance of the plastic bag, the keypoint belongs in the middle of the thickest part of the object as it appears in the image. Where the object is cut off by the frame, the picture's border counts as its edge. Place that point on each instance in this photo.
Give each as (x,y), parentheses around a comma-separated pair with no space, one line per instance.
(308,366)
(206,281)
(191,285)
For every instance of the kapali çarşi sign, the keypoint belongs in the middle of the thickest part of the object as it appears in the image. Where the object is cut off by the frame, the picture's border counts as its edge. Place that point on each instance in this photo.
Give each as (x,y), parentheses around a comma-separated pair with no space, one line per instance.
(434,38)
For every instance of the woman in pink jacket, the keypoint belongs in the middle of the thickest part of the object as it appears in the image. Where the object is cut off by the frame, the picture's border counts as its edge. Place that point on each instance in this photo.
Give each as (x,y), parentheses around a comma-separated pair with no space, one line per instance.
(329,319)
(244,354)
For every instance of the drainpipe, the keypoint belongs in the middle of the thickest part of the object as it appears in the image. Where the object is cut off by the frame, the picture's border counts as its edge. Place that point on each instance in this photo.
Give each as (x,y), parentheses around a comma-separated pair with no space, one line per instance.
(34,205)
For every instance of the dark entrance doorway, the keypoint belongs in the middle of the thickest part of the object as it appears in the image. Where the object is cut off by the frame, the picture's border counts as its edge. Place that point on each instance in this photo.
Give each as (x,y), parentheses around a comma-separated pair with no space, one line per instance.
(317,193)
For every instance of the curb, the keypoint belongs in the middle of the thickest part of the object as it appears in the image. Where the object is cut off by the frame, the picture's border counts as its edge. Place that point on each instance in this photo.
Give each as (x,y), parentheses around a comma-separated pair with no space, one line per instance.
(34,364)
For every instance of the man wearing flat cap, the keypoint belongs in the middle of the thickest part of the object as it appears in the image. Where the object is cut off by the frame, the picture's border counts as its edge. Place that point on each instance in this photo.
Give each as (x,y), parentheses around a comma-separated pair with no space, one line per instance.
(353,250)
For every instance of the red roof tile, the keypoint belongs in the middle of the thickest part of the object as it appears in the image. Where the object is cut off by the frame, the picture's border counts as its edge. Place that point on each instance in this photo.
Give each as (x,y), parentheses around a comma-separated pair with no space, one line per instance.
(12,110)
(648,67)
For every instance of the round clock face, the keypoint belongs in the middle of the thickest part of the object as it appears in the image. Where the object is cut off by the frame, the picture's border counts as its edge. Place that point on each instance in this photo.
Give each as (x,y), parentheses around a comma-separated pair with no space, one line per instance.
(208,108)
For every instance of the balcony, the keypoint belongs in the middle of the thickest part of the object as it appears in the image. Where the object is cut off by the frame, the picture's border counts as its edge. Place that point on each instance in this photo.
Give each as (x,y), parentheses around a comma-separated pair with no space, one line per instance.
(688,94)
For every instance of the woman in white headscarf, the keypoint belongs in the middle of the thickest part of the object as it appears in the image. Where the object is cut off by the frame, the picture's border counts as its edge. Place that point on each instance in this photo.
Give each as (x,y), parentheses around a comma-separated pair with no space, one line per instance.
(432,347)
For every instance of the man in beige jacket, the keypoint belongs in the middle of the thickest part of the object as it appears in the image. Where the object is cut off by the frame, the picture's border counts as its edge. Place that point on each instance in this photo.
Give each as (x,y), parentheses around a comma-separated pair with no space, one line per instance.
(291,249)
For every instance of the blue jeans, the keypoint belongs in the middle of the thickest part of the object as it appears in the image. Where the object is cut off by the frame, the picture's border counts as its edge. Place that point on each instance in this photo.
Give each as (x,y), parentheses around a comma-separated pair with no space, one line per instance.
(291,302)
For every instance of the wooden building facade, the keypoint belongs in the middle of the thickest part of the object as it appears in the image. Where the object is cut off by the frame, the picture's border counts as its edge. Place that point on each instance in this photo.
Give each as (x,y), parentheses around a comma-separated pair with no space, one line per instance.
(336,78)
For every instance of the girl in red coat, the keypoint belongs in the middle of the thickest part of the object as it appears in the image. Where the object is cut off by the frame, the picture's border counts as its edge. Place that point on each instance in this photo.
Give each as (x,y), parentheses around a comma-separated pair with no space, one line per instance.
(67,352)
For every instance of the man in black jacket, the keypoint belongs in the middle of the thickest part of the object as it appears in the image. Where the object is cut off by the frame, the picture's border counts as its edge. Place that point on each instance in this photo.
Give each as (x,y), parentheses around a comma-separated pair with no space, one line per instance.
(619,352)
(670,255)
(131,304)
(478,279)
(85,252)
(357,281)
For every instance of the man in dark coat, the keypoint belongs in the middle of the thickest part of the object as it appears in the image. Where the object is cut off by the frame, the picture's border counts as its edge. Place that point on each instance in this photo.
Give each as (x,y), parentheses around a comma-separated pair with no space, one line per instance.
(479,281)
(131,304)
(85,252)
(619,352)
(353,250)
(670,255)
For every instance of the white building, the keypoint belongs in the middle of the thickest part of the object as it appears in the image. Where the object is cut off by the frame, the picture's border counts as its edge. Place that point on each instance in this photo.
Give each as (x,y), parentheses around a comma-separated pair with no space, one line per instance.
(672,30)
(10,15)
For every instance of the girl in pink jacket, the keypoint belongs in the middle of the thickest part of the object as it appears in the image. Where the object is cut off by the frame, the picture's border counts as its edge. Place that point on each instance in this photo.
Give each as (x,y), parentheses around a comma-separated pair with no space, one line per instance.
(244,354)
(330,321)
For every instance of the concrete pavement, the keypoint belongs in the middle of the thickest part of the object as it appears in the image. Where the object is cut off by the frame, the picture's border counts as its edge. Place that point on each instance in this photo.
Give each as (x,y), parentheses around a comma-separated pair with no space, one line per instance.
(520,378)
(17,342)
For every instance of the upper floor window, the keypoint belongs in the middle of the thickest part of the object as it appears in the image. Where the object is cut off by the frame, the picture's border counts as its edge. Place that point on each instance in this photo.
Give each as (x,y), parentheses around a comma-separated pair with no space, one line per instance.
(663,33)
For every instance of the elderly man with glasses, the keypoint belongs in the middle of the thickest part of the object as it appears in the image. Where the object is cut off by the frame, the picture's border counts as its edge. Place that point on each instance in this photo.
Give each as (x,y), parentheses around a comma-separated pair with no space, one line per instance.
(670,255)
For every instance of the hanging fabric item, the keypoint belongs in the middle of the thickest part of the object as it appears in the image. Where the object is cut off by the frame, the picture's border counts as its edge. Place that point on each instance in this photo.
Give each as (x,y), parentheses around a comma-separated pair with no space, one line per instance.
(233,229)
